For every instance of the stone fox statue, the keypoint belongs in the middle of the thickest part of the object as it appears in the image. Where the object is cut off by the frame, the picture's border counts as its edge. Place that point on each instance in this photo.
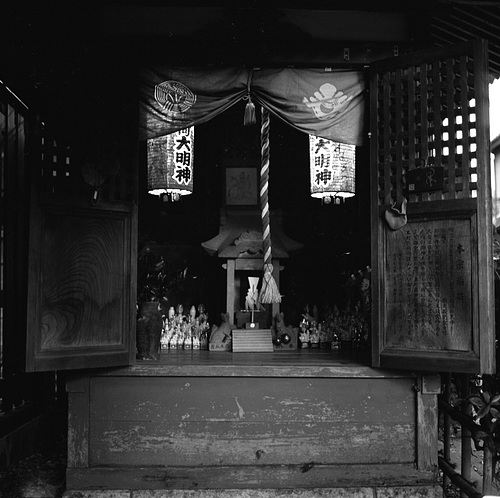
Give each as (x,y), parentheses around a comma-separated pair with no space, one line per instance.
(223,332)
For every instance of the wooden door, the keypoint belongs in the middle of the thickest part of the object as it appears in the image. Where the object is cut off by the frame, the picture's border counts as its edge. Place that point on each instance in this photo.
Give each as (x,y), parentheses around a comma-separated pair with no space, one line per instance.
(82,257)
(433,288)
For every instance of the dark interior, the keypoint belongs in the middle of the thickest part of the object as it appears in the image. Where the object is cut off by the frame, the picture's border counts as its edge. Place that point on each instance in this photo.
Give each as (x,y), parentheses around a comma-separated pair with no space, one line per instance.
(335,237)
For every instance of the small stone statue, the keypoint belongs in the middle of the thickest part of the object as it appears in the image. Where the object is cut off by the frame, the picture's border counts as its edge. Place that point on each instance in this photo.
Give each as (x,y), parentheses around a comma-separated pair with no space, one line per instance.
(306,316)
(284,336)
(222,333)
(314,336)
(192,314)
(304,336)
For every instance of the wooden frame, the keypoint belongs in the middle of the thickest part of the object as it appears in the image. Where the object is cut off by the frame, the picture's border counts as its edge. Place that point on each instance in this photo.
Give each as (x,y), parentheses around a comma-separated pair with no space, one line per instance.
(248,265)
(426,308)
(430,109)
(106,411)
(241,187)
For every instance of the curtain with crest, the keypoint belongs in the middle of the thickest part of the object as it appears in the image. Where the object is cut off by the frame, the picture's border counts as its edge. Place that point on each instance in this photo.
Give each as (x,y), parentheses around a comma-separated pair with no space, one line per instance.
(329,104)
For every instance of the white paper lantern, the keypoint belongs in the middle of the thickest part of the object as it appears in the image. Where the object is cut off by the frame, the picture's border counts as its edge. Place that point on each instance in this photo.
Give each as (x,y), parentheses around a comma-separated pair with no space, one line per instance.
(332,168)
(170,164)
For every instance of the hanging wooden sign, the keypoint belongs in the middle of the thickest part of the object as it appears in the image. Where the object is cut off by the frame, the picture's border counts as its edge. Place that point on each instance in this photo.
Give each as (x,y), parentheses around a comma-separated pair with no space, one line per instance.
(425,179)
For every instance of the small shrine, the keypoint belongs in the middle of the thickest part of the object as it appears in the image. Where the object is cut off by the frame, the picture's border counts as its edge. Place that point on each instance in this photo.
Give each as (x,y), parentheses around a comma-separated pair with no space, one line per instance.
(239,243)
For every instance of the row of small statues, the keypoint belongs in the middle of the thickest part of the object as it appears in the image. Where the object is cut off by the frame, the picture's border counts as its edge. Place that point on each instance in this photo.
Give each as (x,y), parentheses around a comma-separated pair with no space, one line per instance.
(348,325)
(192,331)
(182,331)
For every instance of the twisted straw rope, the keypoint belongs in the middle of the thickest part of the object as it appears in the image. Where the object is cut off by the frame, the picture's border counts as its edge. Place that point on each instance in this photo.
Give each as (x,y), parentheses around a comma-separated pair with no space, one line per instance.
(264,186)
(269,292)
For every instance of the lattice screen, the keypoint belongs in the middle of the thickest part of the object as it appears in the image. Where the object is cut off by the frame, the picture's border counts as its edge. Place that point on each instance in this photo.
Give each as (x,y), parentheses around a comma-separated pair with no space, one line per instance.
(104,178)
(57,169)
(426,117)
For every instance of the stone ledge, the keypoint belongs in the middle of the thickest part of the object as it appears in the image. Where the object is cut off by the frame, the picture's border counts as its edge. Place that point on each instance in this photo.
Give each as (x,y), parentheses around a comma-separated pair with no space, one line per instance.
(362,492)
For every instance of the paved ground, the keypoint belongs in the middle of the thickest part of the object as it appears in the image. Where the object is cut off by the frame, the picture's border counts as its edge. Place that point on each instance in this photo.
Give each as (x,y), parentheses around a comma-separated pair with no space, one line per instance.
(42,474)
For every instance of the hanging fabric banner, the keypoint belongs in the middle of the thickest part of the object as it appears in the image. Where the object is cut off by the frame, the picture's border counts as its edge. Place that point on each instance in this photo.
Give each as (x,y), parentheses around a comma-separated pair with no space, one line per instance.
(328,104)
(175,98)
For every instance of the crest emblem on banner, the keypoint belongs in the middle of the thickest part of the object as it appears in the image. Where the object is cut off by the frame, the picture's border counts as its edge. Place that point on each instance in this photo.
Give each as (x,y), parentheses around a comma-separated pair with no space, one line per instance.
(174,97)
(327,101)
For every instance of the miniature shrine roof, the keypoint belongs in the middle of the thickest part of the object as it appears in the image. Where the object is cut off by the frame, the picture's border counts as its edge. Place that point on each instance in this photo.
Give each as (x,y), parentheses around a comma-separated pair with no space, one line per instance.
(240,236)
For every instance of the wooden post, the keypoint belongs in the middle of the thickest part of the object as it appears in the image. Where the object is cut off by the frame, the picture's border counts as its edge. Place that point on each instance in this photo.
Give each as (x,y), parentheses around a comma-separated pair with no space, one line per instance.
(428,388)
(230,291)
(78,388)
(466,458)
(275,307)
(446,427)
(487,471)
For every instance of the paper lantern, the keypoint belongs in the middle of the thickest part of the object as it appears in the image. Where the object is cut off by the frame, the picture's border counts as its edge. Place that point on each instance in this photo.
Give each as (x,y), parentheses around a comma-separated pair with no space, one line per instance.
(332,167)
(170,164)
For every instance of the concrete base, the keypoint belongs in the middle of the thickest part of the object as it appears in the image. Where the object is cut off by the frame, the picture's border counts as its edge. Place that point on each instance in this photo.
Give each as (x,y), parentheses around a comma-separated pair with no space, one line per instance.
(364,492)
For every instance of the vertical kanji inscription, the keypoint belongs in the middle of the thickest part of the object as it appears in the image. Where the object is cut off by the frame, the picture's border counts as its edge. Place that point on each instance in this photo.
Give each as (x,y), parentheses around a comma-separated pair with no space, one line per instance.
(428,288)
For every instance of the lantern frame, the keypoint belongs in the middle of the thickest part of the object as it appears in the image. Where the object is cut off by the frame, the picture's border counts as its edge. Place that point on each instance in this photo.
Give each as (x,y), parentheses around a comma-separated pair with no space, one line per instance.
(332,167)
(170,164)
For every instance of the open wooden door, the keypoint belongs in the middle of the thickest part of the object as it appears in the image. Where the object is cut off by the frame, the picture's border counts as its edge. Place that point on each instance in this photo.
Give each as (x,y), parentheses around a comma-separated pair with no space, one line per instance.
(82,257)
(433,288)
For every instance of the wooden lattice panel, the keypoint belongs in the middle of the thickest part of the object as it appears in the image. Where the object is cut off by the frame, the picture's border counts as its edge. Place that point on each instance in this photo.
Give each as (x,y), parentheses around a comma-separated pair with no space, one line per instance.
(426,118)
(432,272)
(57,168)
(103,177)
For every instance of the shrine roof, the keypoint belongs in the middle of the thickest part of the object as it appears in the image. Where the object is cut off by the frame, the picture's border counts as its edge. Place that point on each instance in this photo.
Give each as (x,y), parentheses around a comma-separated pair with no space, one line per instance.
(240,236)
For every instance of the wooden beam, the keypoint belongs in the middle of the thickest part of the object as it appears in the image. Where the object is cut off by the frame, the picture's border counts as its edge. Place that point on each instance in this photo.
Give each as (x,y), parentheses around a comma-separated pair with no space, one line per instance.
(290,477)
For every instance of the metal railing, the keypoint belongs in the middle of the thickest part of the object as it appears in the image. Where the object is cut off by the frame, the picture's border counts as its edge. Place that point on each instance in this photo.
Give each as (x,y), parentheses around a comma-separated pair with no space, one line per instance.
(470,431)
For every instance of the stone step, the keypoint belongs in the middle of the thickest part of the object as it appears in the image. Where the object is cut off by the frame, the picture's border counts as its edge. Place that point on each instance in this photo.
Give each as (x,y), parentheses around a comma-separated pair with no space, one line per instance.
(362,492)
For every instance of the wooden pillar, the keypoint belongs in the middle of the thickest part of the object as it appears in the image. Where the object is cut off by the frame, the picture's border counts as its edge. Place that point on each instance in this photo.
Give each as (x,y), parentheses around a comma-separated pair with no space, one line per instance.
(230,290)
(466,449)
(428,388)
(78,388)
(487,471)
(276,274)
(447,428)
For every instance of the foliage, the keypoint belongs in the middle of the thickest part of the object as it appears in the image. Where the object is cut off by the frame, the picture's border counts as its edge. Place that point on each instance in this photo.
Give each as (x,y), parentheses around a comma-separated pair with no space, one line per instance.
(351,322)
(486,415)
(161,275)
(152,278)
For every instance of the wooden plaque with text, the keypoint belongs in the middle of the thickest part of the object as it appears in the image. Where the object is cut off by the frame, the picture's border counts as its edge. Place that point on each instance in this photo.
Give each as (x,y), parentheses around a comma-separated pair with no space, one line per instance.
(428,288)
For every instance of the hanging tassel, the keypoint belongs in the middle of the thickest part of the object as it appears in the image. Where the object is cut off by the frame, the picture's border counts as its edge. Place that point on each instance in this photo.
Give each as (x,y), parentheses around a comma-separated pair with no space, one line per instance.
(269,292)
(249,118)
